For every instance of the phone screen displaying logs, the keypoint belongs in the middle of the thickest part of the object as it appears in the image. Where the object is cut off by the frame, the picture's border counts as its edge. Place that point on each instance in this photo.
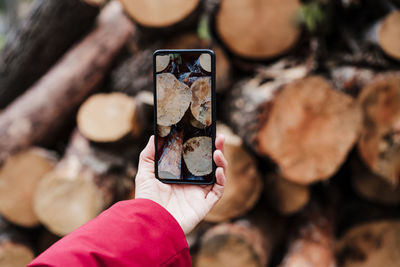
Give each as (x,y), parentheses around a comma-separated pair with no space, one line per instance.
(184,82)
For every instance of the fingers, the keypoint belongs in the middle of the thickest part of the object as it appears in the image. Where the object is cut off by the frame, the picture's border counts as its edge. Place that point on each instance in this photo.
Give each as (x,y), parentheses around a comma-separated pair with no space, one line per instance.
(146,159)
(220,177)
(218,189)
(220,160)
(219,142)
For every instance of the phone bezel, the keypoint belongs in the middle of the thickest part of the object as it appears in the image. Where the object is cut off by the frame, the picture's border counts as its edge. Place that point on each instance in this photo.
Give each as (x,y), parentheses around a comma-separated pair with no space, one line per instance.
(213,113)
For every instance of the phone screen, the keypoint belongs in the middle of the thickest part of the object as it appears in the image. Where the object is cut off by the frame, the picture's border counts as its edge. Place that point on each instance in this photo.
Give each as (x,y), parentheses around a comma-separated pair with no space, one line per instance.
(184,115)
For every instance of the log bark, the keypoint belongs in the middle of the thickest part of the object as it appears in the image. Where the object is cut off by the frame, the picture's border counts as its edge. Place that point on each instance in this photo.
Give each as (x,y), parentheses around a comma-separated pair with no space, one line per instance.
(108,118)
(370,244)
(379,142)
(313,241)
(285,196)
(246,242)
(352,79)
(140,65)
(15,248)
(169,165)
(244,184)
(82,184)
(272,23)
(35,44)
(33,117)
(371,186)
(19,177)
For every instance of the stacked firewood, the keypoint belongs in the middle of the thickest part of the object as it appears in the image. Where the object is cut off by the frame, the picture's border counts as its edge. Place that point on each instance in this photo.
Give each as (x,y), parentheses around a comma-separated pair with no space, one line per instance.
(308,98)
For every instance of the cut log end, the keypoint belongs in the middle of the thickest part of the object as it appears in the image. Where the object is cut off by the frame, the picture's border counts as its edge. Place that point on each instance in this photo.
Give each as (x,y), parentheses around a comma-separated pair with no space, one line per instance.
(285,196)
(15,250)
(313,242)
(173,99)
(309,130)
(197,154)
(205,62)
(389,35)
(97,3)
(272,24)
(243,185)
(201,100)
(380,135)
(108,117)
(236,244)
(15,255)
(159,13)
(77,190)
(370,244)
(162,62)
(373,187)
(67,198)
(163,131)
(19,177)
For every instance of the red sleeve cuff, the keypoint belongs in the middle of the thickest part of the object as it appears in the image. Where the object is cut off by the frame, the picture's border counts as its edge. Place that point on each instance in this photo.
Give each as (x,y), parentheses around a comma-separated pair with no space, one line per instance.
(136,232)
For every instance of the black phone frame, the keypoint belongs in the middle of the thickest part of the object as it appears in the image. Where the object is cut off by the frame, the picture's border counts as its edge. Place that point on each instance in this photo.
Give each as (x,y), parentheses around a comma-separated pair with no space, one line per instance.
(213,113)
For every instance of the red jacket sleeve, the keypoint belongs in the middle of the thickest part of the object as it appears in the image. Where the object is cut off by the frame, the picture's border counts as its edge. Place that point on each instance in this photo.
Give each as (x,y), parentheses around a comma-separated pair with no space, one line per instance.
(131,233)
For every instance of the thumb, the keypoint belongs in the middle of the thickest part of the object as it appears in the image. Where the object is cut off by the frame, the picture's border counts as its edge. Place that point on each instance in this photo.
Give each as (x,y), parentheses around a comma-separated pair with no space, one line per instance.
(146,159)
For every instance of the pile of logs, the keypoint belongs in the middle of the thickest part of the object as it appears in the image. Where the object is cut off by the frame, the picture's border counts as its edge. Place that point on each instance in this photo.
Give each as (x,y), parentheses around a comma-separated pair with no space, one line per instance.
(308,99)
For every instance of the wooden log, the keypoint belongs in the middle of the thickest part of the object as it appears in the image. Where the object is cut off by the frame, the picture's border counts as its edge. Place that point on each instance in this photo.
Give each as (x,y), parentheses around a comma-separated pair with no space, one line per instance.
(197,154)
(169,164)
(250,98)
(173,99)
(97,3)
(246,242)
(35,44)
(223,70)
(140,65)
(370,244)
(15,248)
(285,196)
(389,35)
(295,123)
(108,118)
(201,99)
(272,23)
(19,177)
(309,130)
(159,14)
(32,117)
(313,241)
(351,79)
(379,141)
(244,184)
(371,186)
(78,189)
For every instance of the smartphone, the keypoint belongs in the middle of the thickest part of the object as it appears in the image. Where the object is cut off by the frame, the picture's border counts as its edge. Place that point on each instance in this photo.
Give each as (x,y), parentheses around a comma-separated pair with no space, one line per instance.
(184,115)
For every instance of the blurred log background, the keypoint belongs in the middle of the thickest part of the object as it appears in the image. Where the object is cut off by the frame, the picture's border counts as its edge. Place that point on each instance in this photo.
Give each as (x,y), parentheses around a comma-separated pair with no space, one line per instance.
(308,97)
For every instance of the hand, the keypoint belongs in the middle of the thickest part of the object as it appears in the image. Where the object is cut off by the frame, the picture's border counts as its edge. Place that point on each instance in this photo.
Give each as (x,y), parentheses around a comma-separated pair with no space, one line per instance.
(188,204)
